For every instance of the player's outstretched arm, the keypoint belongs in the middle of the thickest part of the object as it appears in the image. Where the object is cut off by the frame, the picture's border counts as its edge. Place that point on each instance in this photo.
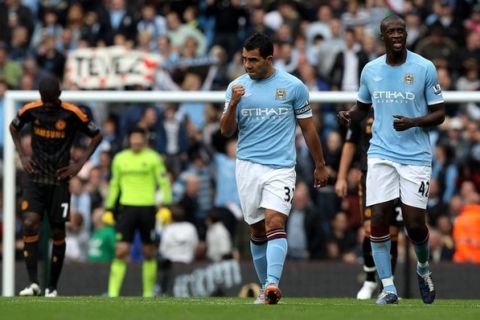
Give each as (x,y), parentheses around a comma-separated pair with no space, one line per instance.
(356,113)
(434,117)
(315,146)
(228,122)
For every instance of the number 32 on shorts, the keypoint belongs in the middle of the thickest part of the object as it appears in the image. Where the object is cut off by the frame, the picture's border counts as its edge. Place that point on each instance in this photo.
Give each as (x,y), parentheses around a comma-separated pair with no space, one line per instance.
(424,188)
(288,194)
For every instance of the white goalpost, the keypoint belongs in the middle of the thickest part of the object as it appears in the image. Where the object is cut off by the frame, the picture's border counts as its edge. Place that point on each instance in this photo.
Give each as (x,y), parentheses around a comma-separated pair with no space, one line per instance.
(14,97)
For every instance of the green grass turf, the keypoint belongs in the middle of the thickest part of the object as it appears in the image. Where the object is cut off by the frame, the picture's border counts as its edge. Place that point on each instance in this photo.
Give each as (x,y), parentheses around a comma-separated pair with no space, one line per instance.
(93,308)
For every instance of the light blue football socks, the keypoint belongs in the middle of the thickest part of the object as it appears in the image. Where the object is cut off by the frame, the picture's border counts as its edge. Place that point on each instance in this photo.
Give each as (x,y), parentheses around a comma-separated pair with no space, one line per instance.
(381,256)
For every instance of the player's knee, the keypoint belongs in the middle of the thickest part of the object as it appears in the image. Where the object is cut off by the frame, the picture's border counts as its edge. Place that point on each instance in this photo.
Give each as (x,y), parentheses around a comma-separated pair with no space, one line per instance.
(275,222)
(149,252)
(58,234)
(257,230)
(417,232)
(31,226)
(122,251)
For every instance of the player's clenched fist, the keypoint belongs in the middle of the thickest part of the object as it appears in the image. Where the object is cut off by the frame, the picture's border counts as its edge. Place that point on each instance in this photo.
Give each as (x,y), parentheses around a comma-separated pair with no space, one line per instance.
(237,92)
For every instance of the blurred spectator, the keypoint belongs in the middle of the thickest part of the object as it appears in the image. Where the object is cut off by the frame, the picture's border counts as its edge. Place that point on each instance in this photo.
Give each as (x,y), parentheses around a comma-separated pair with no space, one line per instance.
(91,30)
(435,206)
(178,33)
(152,23)
(217,77)
(27,82)
(445,171)
(226,193)
(441,243)
(326,197)
(49,58)
(326,51)
(257,22)
(117,20)
(231,20)
(466,231)
(446,83)
(101,246)
(31,68)
(19,44)
(81,203)
(469,54)
(437,47)
(188,201)
(193,112)
(415,29)
(150,123)
(443,17)
(47,26)
(97,188)
(218,239)
(203,185)
(286,57)
(349,63)
(473,22)
(343,243)
(321,25)
(179,238)
(76,239)
(10,70)
(173,142)
(355,15)
(74,25)
(306,236)
(12,14)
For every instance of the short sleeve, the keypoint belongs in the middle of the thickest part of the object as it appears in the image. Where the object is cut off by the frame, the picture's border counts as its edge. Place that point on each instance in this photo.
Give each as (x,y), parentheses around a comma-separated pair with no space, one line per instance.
(364,95)
(24,116)
(89,128)
(433,91)
(301,104)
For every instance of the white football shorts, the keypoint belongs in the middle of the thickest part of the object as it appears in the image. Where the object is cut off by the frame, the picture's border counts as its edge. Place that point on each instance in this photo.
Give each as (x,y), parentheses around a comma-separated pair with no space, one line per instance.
(388,180)
(261,187)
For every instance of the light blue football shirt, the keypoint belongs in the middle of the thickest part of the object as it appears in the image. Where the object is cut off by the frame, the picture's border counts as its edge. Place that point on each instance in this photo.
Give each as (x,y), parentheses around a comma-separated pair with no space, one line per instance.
(405,90)
(266,117)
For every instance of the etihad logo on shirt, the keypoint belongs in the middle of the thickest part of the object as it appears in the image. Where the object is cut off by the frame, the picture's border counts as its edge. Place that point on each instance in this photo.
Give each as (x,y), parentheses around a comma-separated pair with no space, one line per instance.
(393,96)
(262,113)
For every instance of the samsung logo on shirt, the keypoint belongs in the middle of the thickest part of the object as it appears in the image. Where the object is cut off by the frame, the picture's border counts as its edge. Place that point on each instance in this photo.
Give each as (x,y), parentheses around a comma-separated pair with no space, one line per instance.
(264,112)
(393,95)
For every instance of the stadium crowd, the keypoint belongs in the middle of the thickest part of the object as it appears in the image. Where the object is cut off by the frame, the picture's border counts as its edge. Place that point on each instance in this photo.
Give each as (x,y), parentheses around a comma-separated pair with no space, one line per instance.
(324,43)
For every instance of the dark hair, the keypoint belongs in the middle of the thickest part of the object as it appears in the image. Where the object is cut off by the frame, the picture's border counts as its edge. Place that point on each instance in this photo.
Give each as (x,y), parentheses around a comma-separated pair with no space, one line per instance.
(261,42)
(215,215)
(137,129)
(177,212)
(388,19)
(49,88)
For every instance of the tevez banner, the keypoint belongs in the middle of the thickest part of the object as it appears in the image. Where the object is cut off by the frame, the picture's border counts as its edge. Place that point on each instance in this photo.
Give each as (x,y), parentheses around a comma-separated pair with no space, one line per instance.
(110,67)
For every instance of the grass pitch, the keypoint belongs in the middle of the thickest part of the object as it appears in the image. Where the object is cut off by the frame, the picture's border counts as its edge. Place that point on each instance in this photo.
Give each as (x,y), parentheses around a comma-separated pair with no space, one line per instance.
(129,308)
